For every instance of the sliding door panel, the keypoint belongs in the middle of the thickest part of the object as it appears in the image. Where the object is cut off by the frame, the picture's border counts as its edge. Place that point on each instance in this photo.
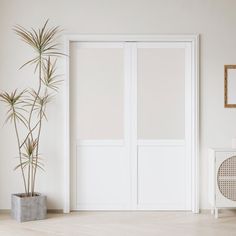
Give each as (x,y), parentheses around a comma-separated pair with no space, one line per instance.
(162,164)
(99,152)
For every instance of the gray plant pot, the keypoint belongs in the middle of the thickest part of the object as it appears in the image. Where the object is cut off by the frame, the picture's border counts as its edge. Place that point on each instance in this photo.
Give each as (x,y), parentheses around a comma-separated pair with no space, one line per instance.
(28,208)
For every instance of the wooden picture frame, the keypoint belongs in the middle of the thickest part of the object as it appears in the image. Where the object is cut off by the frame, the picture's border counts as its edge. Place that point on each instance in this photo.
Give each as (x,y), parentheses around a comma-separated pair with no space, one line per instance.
(230,86)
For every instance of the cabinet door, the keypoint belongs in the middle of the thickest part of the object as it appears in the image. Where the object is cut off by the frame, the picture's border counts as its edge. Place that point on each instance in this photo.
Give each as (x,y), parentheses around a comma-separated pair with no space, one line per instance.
(225,179)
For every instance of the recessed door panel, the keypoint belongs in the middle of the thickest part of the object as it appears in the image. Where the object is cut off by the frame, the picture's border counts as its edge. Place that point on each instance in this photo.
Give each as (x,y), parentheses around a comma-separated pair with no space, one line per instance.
(161,92)
(102,177)
(161,177)
(98,81)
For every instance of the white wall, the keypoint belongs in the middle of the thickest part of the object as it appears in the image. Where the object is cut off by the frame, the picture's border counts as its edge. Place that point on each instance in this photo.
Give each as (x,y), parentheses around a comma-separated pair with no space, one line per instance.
(214,20)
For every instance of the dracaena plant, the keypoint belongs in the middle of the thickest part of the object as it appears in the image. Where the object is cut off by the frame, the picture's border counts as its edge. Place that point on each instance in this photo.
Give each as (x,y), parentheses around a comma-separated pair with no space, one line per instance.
(26,109)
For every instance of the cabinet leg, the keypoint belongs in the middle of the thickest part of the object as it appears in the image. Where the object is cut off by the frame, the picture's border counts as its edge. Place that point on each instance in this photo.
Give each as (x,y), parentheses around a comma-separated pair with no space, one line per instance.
(216,213)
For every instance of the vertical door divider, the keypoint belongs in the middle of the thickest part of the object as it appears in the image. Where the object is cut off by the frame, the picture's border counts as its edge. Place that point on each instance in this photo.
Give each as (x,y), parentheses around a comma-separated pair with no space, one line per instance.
(128,115)
(133,120)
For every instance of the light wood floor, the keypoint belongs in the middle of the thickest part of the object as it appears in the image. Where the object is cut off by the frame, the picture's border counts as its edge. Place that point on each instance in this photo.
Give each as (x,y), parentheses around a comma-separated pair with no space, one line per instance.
(123,224)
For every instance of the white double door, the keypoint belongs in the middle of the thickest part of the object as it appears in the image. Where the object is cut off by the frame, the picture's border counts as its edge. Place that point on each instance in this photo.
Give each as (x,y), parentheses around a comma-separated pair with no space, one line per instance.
(130,119)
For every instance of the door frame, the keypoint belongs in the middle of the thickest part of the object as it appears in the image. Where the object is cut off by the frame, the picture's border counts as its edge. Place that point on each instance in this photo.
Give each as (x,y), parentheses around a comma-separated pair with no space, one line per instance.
(193,39)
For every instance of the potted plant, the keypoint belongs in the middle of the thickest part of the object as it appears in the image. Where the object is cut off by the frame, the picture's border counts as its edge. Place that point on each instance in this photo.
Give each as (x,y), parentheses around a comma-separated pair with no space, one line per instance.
(26,110)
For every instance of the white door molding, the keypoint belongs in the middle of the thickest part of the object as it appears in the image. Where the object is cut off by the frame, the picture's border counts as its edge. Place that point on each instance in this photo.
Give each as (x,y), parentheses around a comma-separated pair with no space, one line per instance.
(193,136)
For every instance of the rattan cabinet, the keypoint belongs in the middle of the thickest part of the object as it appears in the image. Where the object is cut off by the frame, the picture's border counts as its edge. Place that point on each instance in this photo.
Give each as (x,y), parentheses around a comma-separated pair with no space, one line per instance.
(222,179)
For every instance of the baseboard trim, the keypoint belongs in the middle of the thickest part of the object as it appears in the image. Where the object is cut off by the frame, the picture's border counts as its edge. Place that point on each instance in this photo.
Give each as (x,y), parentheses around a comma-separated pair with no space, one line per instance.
(204,211)
(55,211)
(5,211)
(52,211)
(60,211)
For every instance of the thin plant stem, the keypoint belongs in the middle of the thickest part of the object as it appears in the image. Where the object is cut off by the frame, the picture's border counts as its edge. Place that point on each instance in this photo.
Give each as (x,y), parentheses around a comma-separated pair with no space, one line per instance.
(39,130)
(37,148)
(28,190)
(22,144)
(30,118)
(32,170)
(19,150)
(36,97)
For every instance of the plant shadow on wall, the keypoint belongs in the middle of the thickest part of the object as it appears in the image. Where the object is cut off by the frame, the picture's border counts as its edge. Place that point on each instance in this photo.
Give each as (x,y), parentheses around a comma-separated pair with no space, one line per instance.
(26,110)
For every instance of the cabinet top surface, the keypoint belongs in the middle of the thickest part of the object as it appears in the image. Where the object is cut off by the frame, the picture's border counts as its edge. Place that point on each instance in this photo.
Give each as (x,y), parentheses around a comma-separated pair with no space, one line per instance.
(223,149)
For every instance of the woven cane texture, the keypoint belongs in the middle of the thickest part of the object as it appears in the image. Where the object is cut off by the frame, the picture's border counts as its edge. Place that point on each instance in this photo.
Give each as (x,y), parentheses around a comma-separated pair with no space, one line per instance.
(226,178)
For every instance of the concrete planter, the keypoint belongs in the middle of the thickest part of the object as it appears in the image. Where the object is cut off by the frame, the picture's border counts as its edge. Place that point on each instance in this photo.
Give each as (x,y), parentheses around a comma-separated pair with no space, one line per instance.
(28,208)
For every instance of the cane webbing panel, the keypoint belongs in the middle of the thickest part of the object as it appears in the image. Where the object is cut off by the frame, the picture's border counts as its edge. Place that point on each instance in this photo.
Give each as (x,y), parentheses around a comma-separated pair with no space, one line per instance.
(226,178)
